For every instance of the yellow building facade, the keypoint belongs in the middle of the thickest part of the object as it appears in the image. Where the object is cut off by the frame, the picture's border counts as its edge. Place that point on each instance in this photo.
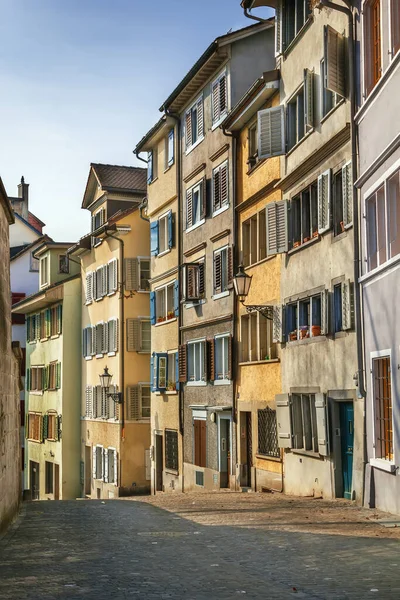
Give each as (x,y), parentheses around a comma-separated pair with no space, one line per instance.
(258,202)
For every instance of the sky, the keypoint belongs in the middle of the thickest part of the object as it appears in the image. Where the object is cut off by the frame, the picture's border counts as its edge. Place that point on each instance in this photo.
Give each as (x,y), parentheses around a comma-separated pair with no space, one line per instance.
(81,81)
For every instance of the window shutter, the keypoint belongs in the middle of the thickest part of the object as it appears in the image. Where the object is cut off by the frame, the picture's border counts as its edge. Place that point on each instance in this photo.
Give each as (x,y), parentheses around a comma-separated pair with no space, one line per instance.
(176,297)
(216,189)
(94,285)
(203,199)
(283,420)
(334,61)
(211,359)
(45,427)
(190,278)
(324,312)
(94,402)
(189,208)
(113,275)
(131,274)
(322,422)
(28,329)
(46,383)
(153,308)
(278,28)
(133,335)
(58,375)
(89,287)
(28,379)
(200,118)
(94,457)
(217,273)
(230,266)
(182,358)
(92,338)
(99,338)
(115,477)
(99,466)
(324,201)
(278,329)
(177,371)
(281,227)
(105,283)
(202,286)
(104,401)
(224,184)
(223,96)
(309,99)
(59,318)
(105,461)
(133,404)
(149,166)
(346,305)
(113,335)
(215,102)
(230,348)
(48,322)
(271,229)
(347,192)
(154,238)
(271,132)
(188,129)
(89,400)
(170,230)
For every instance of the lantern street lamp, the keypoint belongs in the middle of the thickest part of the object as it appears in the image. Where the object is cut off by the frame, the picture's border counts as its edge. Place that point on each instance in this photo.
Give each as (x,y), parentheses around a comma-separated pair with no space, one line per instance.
(105,381)
(242,283)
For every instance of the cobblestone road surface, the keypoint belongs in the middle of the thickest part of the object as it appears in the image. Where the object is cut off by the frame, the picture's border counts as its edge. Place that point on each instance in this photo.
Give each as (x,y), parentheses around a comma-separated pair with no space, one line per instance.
(216,546)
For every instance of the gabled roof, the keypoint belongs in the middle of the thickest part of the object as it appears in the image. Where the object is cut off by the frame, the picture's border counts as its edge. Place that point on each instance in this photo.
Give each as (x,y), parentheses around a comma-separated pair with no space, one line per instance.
(115,178)
(18,251)
(5,202)
(25,222)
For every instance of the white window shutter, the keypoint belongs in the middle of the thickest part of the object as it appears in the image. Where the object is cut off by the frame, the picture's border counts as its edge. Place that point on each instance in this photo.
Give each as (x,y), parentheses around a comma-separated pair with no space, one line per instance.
(281,227)
(105,462)
(131,274)
(278,329)
(89,287)
(189,208)
(105,338)
(94,461)
(309,99)
(133,403)
(324,312)
(334,61)
(271,132)
(99,402)
(89,401)
(324,201)
(115,467)
(93,340)
(322,424)
(278,28)
(94,402)
(346,305)
(200,118)
(133,335)
(283,420)
(111,403)
(115,340)
(271,229)
(347,193)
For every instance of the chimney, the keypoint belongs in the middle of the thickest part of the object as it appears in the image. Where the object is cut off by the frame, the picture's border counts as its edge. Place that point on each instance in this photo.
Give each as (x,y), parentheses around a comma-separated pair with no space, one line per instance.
(21,207)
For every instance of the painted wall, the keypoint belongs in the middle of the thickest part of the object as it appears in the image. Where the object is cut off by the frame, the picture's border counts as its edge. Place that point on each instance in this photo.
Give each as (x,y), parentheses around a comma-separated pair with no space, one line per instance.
(21,234)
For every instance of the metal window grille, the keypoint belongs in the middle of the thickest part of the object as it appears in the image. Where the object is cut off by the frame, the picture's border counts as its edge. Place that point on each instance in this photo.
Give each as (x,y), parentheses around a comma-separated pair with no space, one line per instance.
(383,407)
(171,450)
(268,433)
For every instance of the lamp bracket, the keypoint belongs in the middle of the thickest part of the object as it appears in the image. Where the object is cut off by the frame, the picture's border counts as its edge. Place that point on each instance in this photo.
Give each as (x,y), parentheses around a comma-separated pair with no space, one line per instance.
(116,397)
(266,310)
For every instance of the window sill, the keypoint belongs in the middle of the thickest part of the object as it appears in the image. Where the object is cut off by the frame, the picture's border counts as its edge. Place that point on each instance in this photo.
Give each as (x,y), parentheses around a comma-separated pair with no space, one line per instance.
(340,236)
(390,263)
(166,393)
(220,120)
(222,382)
(220,210)
(152,181)
(259,362)
(261,261)
(297,144)
(138,352)
(88,303)
(194,303)
(168,167)
(165,322)
(195,226)
(196,383)
(163,254)
(112,293)
(305,245)
(328,114)
(383,464)
(34,441)
(266,457)
(300,34)
(259,162)
(88,357)
(43,339)
(35,393)
(99,355)
(55,336)
(221,295)
(317,338)
(111,354)
(145,291)
(193,146)
(308,453)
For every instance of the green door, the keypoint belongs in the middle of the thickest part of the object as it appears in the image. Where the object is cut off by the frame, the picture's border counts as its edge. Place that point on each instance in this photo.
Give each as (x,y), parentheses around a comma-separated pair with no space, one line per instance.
(347,442)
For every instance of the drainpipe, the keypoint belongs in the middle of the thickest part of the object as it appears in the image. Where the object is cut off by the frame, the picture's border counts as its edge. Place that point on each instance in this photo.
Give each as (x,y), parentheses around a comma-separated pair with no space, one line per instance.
(142,208)
(136,153)
(249,16)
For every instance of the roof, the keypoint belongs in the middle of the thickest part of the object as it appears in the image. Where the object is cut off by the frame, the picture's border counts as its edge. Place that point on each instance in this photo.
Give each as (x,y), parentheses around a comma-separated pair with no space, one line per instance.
(40,296)
(27,223)
(121,178)
(155,133)
(5,202)
(51,244)
(17,251)
(32,217)
(208,55)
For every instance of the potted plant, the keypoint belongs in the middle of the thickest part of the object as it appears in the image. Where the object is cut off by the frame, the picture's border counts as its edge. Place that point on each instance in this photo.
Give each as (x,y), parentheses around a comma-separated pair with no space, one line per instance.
(315,233)
(171,386)
(160,319)
(306,239)
(316,330)
(296,244)
(170,314)
(303,331)
(342,226)
(293,335)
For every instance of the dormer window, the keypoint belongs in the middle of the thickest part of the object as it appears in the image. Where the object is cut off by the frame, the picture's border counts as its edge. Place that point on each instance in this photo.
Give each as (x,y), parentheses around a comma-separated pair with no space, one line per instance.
(44,271)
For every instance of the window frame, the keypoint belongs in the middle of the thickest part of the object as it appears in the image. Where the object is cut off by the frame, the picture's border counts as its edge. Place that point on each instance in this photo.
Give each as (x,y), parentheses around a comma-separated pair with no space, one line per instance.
(63,270)
(38,426)
(174,467)
(159,318)
(152,165)
(379,461)
(299,307)
(326,93)
(200,188)
(201,355)
(224,291)
(225,380)
(44,271)
(247,332)
(312,191)
(170,146)
(370,79)
(297,29)
(199,138)
(394,44)
(164,218)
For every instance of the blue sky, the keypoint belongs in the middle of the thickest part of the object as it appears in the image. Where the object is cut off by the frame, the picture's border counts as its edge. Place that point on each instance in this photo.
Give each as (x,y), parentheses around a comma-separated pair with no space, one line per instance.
(82,80)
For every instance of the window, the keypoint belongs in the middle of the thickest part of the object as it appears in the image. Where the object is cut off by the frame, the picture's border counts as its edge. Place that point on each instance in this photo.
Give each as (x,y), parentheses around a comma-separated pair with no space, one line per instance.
(306,318)
(223,270)
(305,422)
(98,219)
(194,281)
(329,99)
(138,335)
(220,187)
(110,465)
(152,165)
(377,227)
(197,363)
(393,204)
(34,262)
(164,369)
(267,433)
(44,271)
(36,379)
(55,317)
(295,119)
(256,338)
(49,477)
(170,149)
(381,371)
(195,205)
(223,358)
(172,383)
(52,427)
(161,234)
(254,239)
(34,427)
(194,124)
(63,264)
(303,217)
(171,450)
(295,15)
(138,402)
(372,40)
(219,101)
(163,303)
(395,20)
(52,375)
(252,146)
(137,274)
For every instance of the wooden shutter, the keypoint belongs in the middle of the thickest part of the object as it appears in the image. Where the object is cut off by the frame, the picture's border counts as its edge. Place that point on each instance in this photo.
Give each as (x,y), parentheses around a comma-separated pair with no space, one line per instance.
(324,312)
(89,401)
(283,420)
(189,208)
(200,441)
(182,358)
(45,427)
(89,288)
(216,189)
(200,118)
(211,359)
(92,337)
(322,424)
(133,403)
(133,335)
(58,375)
(215,102)
(217,273)
(47,316)
(346,305)
(115,467)
(281,227)
(105,281)
(271,132)
(309,99)
(223,96)
(271,229)
(99,338)
(278,28)
(224,184)
(188,129)
(191,282)
(334,61)
(230,266)
(347,194)
(201,283)
(113,335)
(278,324)
(324,201)
(94,401)
(131,266)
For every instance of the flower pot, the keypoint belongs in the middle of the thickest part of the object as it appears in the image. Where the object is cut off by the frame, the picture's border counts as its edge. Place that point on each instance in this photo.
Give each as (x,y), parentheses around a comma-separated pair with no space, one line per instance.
(296,244)
(303,332)
(293,336)
(306,239)
(316,330)
(342,226)
(315,234)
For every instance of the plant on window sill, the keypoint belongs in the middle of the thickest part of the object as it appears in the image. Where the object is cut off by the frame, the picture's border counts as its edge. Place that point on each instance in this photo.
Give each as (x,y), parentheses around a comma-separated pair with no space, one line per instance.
(293,336)
(342,227)
(316,330)
(315,234)
(304,332)
(296,244)
(161,319)
(171,386)
(170,314)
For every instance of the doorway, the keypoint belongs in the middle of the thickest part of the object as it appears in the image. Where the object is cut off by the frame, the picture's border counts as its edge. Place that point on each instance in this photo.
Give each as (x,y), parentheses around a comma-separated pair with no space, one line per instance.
(224,451)
(159,463)
(347,443)
(56,482)
(34,479)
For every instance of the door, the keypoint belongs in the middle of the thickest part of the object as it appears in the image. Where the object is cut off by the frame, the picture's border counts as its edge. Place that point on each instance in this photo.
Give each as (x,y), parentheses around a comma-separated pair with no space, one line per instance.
(347,441)
(56,482)
(200,442)
(249,447)
(224,451)
(159,462)
(88,471)
(34,479)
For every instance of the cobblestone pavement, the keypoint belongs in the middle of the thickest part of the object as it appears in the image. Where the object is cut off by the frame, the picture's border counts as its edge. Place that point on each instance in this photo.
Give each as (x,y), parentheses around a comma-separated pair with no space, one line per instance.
(222,545)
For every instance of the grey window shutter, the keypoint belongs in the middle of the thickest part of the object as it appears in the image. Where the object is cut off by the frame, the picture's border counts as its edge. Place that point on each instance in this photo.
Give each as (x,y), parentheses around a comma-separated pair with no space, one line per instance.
(94,402)
(105,461)
(189,208)
(111,403)
(334,61)
(271,132)
(309,99)
(133,335)
(324,201)
(131,274)
(133,403)
(89,287)
(105,282)
(188,129)
(99,401)
(271,229)
(346,305)
(278,28)
(99,338)
(112,276)
(223,179)
(281,227)
(99,461)
(200,118)
(283,420)
(105,338)
(93,340)
(110,466)
(89,400)
(324,312)
(278,329)
(322,424)
(115,467)
(94,462)
(347,193)
(104,401)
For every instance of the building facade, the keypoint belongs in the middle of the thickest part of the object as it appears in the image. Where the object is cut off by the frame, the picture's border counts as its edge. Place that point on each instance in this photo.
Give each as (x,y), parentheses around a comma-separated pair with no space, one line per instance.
(53,371)
(115,330)
(162,210)
(378,183)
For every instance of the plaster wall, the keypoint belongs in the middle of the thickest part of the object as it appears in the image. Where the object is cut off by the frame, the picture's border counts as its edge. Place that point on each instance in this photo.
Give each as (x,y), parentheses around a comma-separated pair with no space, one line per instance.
(22,278)
(21,234)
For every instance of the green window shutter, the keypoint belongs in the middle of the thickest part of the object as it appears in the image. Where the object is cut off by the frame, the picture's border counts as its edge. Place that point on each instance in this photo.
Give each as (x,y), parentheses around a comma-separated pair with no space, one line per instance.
(58,375)
(45,424)
(28,380)
(59,318)
(58,423)
(48,322)
(44,377)
(46,382)
(28,329)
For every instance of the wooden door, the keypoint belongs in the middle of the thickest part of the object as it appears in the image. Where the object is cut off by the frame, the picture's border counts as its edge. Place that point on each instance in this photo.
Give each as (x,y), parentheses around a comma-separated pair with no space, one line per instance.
(249,447)
(56,482)
(200,441)
(159,463)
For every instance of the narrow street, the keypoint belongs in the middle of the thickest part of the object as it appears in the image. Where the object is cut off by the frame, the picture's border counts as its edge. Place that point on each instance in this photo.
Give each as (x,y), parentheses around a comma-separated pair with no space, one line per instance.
(221,545)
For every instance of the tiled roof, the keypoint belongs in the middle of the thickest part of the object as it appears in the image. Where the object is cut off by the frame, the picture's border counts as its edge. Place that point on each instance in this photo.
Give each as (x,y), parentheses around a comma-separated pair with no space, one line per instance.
(122,178)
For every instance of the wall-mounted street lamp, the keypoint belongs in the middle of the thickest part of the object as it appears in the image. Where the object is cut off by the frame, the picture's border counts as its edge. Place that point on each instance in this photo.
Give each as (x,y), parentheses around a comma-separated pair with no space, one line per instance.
(242,283)
(105,381)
